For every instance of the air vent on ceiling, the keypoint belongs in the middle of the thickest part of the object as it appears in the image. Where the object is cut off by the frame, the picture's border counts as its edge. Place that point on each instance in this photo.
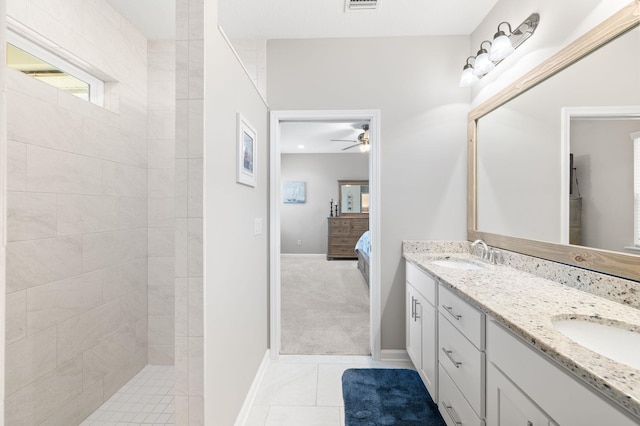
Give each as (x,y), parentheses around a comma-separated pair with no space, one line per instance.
(360,4)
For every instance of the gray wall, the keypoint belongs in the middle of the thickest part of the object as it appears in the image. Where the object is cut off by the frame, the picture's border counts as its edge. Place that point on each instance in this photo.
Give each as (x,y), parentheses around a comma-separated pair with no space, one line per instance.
(603,158)
(423,133)
(308,222)
(236,260)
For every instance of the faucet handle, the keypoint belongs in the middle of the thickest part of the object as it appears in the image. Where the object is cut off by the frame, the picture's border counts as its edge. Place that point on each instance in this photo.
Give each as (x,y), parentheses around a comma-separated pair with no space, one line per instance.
(494,256)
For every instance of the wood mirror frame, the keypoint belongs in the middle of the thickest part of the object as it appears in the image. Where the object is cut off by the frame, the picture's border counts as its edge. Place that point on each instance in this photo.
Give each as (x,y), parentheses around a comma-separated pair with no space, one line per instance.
(342,183)
(608,262)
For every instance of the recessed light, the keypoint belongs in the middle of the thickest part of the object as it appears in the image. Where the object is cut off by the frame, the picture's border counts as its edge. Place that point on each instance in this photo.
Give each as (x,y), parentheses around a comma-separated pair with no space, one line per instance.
(300,146)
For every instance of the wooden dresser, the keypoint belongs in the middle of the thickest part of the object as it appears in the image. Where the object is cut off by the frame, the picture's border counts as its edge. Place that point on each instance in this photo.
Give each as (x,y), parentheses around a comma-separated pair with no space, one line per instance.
(343,234)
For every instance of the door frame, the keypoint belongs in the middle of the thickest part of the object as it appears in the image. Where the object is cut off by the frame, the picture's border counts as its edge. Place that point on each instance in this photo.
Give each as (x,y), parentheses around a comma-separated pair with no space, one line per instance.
(276,117)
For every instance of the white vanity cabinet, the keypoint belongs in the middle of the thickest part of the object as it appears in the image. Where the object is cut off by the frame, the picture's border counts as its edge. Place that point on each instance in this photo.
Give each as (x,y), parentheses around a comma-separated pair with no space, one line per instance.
(524,388)
(421,326)
(461,334)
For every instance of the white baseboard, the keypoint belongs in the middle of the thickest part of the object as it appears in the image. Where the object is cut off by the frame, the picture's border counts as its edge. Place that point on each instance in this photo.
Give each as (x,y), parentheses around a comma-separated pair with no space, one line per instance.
(394,355)
(253,390)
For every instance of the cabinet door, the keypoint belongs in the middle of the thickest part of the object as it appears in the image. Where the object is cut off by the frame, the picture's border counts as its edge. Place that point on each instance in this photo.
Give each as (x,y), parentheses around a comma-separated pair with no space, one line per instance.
(508,406)
(414,327)
(430,347)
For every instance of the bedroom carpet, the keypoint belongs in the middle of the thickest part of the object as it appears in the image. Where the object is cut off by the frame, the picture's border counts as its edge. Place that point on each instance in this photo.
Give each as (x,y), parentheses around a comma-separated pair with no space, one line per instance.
(325,307)
(382,396)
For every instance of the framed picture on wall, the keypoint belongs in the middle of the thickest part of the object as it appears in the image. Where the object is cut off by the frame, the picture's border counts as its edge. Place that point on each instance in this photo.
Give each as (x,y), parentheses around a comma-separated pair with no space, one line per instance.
(247,152)
(293,192)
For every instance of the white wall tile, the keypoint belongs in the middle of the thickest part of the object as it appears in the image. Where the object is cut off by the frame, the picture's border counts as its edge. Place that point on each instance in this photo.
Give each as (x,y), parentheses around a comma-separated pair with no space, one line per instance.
(34,403)
(182,243)
(182,20)
(161,300)
(161,271)
(161,183)
(49,170)
(182,187)
(33,121)
(116,379)
(109,355)
(30,359)
(195,248)
(182,367)
(124,278)
(106,141)
(161,213)
(196,411)
(80,214)
(182,129)
(162,153)
(161,242)
(49,304)
(182,307)
(110,248)
(161,329)
(161,98)
(30,216)
(196,307)
(196,128)
(31,263)
(121,179)
(133,212)
(16,166)
(161,354)
(196,189)
(85,331)
(16,316)
(196,366)
(196,19)
(75,411)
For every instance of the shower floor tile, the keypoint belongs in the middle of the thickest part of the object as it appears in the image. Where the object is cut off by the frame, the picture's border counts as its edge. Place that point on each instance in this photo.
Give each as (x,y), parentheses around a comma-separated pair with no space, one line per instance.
(147,399)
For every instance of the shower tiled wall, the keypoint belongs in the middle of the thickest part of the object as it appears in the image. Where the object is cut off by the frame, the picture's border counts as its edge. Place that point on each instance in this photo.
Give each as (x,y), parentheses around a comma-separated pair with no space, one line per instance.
(76,322)
(161,218)
(189,360)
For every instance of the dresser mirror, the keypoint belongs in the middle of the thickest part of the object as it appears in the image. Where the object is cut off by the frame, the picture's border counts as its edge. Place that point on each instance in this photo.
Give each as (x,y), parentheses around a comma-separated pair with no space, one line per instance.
(520,182)
(354,197)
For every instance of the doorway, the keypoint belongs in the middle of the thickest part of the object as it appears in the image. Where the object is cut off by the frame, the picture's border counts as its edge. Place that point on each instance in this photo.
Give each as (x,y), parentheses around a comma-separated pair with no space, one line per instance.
(279,118)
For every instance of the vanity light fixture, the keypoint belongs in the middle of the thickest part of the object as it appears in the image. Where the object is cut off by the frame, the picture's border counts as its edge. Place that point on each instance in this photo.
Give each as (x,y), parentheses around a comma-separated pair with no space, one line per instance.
(502,46)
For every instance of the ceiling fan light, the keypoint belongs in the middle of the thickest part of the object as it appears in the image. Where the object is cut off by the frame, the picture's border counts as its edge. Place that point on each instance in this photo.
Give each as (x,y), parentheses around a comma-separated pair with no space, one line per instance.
(501,47)
(468,78)
(364,147)
(483,64)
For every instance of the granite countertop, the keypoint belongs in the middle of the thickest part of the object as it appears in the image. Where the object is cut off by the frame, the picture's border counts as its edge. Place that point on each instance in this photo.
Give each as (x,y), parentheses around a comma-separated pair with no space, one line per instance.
(527,304)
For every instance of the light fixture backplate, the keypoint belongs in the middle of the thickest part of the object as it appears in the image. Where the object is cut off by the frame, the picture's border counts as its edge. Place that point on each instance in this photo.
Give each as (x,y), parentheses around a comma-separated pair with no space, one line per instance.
(524,30)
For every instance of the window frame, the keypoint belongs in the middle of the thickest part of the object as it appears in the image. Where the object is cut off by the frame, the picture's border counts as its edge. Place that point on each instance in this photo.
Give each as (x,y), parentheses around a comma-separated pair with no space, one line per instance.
(96,86)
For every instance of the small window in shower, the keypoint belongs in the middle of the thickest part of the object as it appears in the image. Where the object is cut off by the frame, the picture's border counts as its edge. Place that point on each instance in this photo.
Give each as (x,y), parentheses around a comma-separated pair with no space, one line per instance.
(34,60)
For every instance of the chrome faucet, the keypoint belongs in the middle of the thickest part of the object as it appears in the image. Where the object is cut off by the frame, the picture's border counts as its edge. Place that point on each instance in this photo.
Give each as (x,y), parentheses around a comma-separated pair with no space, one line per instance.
(483,246)
(489,254)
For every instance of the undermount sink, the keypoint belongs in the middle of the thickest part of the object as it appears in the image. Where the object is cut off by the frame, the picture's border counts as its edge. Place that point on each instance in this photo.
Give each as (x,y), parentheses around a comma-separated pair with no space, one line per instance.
(613,342)
(456,264)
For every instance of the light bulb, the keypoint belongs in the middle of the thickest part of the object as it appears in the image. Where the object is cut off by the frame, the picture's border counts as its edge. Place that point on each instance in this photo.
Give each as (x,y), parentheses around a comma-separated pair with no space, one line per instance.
(468,78)
(482,65)
(501,47)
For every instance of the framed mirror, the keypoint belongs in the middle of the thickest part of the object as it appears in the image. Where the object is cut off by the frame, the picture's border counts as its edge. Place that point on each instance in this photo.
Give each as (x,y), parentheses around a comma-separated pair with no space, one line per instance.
(354,197)
(520,186)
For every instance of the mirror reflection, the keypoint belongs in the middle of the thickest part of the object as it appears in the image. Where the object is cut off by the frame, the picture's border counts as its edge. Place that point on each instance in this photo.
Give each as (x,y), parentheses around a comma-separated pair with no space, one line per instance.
(354,196)
(524,147)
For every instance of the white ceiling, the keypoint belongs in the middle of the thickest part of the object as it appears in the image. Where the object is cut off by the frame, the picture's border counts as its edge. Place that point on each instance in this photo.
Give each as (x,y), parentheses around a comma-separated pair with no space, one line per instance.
(278,19)
(156,19)
(316,137)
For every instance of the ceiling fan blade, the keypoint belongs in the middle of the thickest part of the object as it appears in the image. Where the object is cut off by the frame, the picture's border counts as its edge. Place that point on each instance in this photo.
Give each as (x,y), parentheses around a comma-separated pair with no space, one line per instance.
(343,140)
(352,146)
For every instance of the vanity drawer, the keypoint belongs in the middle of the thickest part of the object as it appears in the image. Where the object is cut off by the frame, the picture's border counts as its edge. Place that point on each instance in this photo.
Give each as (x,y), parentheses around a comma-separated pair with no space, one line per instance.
(453,406)
(463,316)
(463,362)
(421,281)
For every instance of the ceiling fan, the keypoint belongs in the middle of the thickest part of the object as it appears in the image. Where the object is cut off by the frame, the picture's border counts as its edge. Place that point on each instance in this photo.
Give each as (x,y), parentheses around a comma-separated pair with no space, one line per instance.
(362,142)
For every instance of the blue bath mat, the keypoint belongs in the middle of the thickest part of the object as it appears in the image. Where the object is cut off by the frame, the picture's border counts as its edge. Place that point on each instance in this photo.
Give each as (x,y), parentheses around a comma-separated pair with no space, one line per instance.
(383,396)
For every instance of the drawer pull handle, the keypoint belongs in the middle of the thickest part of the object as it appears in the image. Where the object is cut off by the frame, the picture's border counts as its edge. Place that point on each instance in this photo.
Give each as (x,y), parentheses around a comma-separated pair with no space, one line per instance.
(417,317)
(450,310)
(449,410)
(413,308)
(453,360)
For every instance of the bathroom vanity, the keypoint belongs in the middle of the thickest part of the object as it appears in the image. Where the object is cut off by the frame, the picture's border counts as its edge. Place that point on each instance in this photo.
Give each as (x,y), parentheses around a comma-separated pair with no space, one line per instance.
(483,339)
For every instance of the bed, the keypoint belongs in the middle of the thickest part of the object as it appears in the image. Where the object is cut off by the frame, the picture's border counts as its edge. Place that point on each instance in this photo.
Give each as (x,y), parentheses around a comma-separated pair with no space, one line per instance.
(363,250)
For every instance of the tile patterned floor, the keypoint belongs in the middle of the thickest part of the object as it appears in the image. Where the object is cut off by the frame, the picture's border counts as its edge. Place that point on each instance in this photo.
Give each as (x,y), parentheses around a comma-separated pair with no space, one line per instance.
(147,399)
(306,390)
